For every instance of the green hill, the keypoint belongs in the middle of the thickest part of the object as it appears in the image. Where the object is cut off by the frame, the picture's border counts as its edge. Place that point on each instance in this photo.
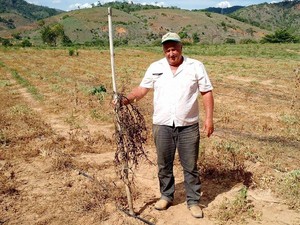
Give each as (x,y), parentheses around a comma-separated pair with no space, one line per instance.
(19,13)
(283,15)
(136,24)
(146,26)
(27,10)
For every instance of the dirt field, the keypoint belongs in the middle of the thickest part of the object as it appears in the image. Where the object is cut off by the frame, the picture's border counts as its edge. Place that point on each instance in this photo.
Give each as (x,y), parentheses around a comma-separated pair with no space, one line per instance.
(57,141)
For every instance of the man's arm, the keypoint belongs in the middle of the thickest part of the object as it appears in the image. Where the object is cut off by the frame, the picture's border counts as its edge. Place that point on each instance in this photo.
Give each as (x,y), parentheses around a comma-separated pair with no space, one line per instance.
(208,102)
(136,94)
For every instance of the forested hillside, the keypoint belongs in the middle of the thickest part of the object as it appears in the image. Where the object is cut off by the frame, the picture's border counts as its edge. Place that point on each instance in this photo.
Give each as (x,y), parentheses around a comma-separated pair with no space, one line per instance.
(282,15)
(223,10)
(27,10)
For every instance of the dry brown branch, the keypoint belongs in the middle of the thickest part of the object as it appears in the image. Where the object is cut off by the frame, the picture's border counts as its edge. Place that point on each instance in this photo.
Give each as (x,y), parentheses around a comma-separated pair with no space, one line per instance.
(131,135)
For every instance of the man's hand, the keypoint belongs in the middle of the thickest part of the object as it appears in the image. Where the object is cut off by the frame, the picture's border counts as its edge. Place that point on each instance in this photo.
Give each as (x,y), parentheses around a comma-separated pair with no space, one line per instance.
(135,95)
(208,127)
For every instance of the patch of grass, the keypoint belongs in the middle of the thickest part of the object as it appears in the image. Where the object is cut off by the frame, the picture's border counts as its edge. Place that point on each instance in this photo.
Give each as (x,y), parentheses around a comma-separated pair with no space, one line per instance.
(99,115)
(57,88)
(5,83)
(72,120)
(289,119)
(25,83)
(62,162)
(289,188)
(237,210)
(21,109)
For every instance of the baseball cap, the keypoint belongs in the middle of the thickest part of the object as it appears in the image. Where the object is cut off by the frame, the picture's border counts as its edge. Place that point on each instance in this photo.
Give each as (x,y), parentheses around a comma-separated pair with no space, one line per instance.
(170,37)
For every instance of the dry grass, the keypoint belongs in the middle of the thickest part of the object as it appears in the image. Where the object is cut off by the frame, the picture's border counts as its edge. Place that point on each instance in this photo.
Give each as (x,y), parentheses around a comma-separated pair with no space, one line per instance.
(256,141)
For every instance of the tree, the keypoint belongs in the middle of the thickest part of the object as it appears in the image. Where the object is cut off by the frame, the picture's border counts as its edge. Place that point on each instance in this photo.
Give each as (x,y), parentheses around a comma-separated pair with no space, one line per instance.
(183,34)
(50,34)
(66,41)
(280,36)
(196,38)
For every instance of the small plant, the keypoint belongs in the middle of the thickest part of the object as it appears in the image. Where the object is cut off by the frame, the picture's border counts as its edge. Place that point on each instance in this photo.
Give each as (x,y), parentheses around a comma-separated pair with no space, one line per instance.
(99,92)
(73,51)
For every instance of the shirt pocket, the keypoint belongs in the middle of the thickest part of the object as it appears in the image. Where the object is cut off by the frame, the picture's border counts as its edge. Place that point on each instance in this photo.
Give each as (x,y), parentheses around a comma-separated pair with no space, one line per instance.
(157,77)
(189,82)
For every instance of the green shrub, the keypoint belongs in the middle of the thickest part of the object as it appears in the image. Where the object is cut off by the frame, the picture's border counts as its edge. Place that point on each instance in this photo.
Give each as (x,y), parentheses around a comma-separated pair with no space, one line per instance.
(99,92)
(6,43)
(248,41)
(73,51)
(230,41)
(99,89)
(26,43)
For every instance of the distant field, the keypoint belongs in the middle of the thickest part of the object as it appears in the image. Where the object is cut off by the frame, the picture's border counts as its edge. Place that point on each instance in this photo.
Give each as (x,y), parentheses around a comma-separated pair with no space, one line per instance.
(52,122)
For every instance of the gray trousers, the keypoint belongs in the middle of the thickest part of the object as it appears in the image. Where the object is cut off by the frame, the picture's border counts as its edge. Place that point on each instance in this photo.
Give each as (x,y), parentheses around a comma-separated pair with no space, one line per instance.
(186,140)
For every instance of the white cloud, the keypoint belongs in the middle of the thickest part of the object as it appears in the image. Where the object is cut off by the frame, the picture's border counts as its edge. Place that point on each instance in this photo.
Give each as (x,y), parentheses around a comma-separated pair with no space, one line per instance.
(224,4)
(56,1)
(80,6)
(160,4)
(33,2)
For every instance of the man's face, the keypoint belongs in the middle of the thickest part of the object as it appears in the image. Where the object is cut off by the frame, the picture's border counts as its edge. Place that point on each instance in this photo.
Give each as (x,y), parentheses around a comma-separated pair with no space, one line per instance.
(173,52)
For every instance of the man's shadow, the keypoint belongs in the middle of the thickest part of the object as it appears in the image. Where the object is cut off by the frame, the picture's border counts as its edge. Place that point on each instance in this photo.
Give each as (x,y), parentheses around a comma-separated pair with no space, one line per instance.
(214,183)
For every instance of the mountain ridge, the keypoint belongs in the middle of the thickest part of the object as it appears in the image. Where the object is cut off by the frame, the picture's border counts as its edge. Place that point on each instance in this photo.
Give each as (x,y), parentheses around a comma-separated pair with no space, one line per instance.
(136,26)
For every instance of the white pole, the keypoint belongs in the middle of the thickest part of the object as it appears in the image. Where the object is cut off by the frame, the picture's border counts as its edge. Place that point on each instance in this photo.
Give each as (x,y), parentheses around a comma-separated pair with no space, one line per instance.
(111,47)
(125,162)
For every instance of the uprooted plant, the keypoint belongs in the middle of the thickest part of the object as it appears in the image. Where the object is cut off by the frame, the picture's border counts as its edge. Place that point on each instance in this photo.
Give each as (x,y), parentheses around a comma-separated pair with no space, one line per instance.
(131,135)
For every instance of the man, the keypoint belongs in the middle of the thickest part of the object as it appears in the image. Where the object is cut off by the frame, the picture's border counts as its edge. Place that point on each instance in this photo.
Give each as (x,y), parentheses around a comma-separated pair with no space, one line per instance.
(177,81)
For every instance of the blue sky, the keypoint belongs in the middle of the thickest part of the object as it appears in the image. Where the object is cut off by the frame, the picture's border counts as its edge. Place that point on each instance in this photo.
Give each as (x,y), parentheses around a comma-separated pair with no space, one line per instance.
(183,4)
